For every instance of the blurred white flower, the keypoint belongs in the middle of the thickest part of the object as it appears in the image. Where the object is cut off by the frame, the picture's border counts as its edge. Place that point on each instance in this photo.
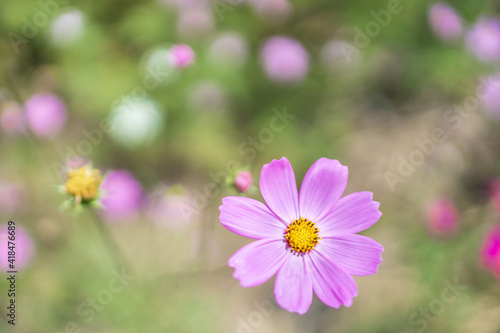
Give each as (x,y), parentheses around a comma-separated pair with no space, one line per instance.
(67,27)
(156,67)
(136,123)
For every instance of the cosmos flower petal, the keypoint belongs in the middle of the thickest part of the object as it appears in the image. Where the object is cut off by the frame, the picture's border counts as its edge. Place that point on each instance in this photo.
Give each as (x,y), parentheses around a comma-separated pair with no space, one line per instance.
(293,286)
(332,284)
(279,189)
(257,262)
(322,188)
(250,218)
(357,255)
(353,213)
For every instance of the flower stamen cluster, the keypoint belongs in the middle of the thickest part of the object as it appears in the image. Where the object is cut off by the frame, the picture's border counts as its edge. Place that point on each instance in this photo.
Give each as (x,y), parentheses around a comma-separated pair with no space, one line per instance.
(83,183)
(302,235)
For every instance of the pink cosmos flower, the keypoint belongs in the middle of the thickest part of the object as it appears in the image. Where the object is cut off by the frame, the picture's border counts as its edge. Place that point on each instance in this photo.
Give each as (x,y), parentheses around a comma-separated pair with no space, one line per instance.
(45,114)
(122,195)
(24,247)
(284,60)
(445,21)
(484,39)
(181,55)
(490,251)
(442,216)
(309,239)
(243,180)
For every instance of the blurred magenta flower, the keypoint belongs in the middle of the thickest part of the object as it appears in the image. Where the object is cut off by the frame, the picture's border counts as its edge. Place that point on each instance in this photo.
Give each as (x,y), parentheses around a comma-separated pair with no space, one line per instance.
(24,248)
(442,216)
(45,114)
(181,55)
(308,239)
(445,22)
(121,195)
(272,10)
(284,59)
(490,251)
(170,207)
(484,39)
(12,197)
(229,48)
(12,119)
(243,180)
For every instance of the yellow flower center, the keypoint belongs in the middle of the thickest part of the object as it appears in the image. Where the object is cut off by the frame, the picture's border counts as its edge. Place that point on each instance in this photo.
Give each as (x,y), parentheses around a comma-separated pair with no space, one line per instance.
(302,235)
(84,183)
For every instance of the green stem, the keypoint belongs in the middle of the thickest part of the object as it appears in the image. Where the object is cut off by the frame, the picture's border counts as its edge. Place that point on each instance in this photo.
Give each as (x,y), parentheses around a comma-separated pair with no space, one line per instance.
(112,246)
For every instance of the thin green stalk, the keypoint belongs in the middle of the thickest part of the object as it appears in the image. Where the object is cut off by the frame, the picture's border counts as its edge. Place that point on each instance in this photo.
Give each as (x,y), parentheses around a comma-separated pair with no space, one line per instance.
(111,244)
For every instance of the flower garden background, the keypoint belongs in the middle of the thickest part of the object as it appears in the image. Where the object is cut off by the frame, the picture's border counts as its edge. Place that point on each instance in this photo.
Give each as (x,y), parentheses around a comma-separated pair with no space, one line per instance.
(124,125)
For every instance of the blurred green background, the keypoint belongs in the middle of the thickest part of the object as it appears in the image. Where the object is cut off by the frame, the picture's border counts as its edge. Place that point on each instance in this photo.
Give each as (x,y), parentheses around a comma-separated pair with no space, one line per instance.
(366,112)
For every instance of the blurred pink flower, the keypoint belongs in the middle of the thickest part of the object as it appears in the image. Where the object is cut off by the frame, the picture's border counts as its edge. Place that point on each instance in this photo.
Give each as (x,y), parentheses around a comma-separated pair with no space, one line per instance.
(272,10)
(195,23)
(12,119)
(24,248)
(490,251)
(229,48)
(12,197)
(445,21)
(121,195)
(284,60)
(243,180)
(170,207)
(307,239)
(484,39)
(181,55)
(45,114)
(442,216)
